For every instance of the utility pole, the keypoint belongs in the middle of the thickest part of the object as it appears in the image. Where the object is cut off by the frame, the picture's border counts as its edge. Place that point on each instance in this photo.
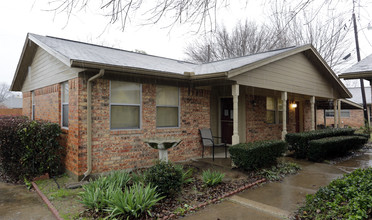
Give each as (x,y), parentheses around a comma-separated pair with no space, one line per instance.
(361,80)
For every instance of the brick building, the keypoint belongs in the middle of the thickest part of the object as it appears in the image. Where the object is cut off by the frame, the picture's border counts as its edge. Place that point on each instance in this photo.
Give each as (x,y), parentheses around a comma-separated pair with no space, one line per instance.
(109,101)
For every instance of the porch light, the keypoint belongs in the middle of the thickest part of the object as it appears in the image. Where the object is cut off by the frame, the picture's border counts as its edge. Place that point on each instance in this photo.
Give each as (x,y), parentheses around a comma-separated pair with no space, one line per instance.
(294,105)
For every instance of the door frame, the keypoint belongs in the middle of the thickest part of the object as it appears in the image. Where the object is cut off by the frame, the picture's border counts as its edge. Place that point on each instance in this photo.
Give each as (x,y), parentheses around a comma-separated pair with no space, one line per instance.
(219,115)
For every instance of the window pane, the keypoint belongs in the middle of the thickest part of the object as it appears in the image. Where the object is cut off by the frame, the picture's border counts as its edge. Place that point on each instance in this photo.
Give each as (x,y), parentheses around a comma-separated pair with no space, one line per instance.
(65,115)
(166,96)
(65,92)
(167,117)
(345,113)
(280,105)
(125,116)
(280,117)
(125,92)
(329,113)
(270,104)
(270,117)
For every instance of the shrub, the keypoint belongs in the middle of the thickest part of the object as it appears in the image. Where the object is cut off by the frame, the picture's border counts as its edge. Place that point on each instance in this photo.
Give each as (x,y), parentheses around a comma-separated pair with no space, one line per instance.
(299,142)
(166,177)
(133,202)
(211,178)
(186,175)
(29,148)
(97,193)
(252,156)
(349,197)
(334,146)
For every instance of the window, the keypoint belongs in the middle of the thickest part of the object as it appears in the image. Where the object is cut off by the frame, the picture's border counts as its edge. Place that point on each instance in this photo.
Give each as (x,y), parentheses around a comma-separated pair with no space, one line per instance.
(270,110)
(125,105)
(33,105)
(344,113)
(274,110)
(64,98)
(167,106)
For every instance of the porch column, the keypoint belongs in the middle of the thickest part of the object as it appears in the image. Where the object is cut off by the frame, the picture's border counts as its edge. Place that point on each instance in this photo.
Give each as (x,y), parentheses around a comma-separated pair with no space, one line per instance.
(339,112)
(335,112)
(284,99)
(312,107)
(235,94)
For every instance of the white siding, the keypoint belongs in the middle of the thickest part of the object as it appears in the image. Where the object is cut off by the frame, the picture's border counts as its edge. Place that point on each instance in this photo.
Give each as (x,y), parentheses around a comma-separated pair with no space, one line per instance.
(293,74)
(47,70)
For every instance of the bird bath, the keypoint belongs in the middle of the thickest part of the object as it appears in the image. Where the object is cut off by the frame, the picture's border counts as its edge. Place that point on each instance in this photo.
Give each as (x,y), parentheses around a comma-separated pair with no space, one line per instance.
(162,144)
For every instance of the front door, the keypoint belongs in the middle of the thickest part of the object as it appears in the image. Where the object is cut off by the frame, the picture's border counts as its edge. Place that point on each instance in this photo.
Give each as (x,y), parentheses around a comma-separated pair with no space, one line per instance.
(227,122)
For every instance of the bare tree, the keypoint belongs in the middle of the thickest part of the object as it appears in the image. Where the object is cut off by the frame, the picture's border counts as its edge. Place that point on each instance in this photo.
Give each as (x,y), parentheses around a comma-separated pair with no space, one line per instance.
(328,36)
(4,92)
(202,13)
(246,38)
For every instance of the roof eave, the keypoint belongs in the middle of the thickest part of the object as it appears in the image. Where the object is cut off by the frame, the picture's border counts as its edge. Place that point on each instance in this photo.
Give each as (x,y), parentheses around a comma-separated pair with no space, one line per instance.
(13,87)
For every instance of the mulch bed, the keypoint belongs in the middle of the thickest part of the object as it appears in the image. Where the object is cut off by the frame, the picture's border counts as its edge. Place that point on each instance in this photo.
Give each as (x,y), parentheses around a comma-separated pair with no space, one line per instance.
(6,179)
(193,194)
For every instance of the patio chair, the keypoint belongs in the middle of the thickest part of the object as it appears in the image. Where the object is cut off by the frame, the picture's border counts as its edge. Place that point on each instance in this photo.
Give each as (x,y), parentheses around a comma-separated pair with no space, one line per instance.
(208,141)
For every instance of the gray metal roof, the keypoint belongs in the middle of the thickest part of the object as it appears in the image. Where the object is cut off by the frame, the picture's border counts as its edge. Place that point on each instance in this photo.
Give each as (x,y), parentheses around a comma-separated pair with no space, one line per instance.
(357,95)
(365,65)
(70,51)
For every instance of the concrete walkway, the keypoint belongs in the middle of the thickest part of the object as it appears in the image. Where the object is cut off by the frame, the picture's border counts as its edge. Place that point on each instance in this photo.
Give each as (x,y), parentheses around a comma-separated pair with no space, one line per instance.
(17,203)
(279,200)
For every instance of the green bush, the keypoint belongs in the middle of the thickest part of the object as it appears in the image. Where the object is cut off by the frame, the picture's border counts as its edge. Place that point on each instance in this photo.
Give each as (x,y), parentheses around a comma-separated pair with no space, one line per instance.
(211,178)
(186,175)
(133,202)
(29,148)
(299,142)
(252,156)
(321,149)
(97,193)
(166,177)
(349,197)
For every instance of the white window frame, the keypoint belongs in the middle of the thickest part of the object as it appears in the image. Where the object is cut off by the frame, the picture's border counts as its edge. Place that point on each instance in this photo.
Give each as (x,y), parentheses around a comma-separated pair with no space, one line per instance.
(276,110)
(126,104)
(171,106)
(64,103)
(33,105)
(332,112)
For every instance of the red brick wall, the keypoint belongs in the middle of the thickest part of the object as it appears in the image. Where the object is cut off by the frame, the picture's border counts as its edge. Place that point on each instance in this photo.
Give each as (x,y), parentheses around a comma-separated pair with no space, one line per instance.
(47,103)
(257,128)
(26,104)
(124,149)
(11,111)
(356,119)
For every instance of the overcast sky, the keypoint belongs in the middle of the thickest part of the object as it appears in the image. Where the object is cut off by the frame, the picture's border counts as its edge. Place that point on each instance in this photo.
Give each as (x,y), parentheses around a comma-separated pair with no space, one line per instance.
(18,17)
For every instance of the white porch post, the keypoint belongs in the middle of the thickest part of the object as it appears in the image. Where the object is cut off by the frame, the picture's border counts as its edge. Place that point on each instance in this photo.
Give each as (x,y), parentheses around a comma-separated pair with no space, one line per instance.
(339,112)
(312,104)
(284,112)
(235,94)
(335,112)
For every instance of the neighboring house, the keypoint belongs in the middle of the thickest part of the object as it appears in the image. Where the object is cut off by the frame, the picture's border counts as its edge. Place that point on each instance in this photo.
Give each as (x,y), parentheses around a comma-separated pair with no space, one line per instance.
(11,106)
(108,101)
(361,70)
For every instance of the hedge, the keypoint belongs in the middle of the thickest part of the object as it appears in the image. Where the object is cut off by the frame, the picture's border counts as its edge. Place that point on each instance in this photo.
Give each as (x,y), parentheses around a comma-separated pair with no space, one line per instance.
(29,148)
(334,146)
(251,156)
(299,142)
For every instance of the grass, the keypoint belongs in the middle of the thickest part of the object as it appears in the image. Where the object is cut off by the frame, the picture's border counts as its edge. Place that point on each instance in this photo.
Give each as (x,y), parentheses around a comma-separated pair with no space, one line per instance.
(64,200)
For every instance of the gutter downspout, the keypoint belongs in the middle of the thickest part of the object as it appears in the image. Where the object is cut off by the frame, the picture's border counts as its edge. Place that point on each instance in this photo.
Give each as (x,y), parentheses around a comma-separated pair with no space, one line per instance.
(89,121)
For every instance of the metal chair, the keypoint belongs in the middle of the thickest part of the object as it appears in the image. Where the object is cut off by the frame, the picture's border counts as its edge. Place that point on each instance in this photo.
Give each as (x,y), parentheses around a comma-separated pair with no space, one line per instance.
(208,141)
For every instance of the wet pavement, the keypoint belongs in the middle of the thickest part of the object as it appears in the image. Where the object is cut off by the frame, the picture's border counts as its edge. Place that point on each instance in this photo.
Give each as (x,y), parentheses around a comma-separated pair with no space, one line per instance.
(279,200)
(17,203)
